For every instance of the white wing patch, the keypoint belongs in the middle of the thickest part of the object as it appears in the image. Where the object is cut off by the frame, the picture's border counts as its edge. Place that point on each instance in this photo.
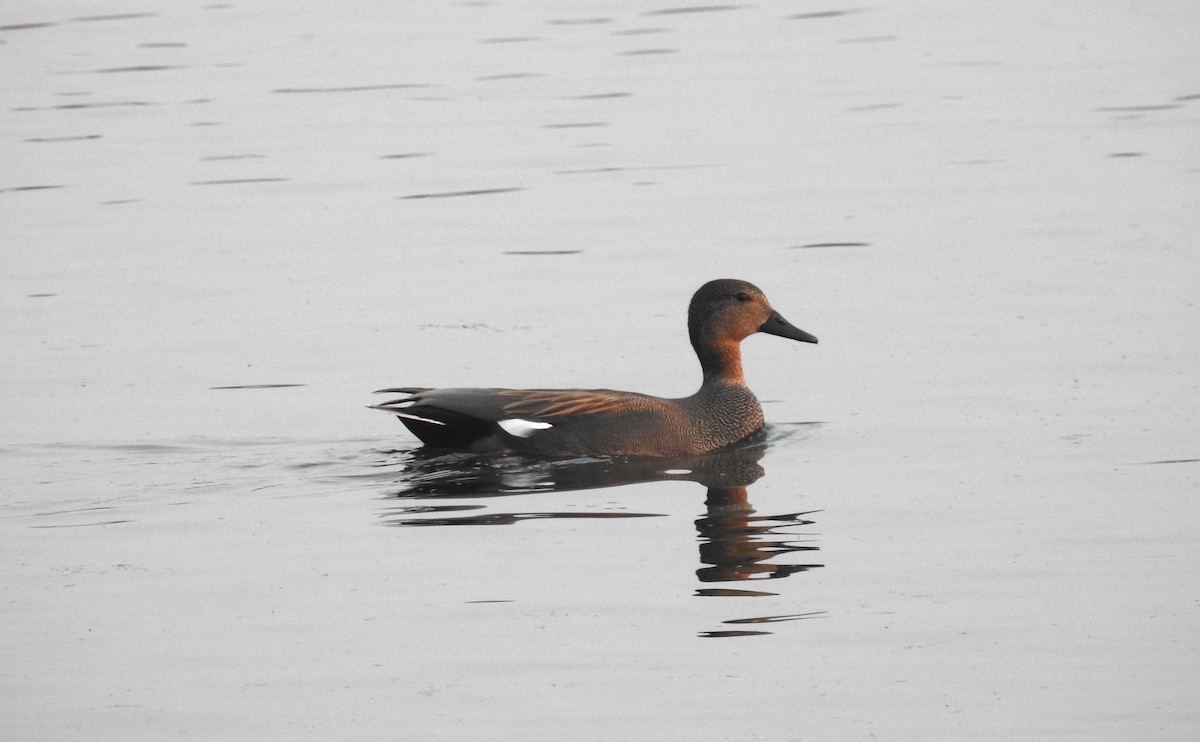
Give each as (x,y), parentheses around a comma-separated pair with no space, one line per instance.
(522,428)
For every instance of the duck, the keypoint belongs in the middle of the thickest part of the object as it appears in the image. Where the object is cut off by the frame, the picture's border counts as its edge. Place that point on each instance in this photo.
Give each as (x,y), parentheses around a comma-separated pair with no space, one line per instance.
(609,423)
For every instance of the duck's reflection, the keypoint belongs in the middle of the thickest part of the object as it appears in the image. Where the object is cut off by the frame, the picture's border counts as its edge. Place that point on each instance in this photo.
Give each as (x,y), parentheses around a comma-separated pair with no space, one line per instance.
(736,544)
(739,545)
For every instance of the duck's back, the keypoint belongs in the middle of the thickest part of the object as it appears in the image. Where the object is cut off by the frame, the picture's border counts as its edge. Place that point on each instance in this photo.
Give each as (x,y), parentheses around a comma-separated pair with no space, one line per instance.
(579,422)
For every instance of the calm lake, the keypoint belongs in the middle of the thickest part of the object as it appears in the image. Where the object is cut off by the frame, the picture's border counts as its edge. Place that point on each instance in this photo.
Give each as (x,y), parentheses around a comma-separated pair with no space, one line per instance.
(972,518)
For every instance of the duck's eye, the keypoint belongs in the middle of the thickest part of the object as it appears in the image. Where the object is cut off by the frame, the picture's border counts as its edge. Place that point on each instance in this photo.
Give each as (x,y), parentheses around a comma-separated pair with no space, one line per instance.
(742,296)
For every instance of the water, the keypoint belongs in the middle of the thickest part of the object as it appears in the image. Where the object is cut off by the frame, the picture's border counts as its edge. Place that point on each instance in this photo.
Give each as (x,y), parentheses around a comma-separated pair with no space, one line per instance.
(223,226)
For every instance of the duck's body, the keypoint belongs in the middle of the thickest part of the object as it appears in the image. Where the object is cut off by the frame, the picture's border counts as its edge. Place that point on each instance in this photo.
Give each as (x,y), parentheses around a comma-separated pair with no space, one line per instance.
(575,422)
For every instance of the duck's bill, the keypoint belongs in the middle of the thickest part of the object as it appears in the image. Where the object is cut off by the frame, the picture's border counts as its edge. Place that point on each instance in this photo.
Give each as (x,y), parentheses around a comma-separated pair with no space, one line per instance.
(777,325)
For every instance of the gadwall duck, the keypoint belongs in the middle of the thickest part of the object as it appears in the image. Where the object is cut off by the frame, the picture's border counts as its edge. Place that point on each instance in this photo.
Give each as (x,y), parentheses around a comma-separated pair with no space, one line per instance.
(580,422)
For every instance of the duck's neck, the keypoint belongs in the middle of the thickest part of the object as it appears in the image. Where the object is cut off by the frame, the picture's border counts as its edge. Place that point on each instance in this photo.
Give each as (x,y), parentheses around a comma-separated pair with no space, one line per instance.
(722,362)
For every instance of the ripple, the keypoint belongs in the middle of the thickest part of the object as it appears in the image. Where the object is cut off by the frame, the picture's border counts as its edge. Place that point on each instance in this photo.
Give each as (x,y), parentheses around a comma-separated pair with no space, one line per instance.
(456,194)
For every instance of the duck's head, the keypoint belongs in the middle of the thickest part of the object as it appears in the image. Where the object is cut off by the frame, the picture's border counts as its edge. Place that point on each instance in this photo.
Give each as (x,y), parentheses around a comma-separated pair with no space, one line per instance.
(728,310)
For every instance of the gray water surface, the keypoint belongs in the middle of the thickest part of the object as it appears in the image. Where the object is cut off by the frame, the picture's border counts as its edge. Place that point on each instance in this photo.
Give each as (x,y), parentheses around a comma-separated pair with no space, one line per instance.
(223,225)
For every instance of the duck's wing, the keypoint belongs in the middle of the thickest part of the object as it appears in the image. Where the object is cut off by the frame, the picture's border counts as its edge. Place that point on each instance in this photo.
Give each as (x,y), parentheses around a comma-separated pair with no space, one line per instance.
(550,420)
(550,404)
